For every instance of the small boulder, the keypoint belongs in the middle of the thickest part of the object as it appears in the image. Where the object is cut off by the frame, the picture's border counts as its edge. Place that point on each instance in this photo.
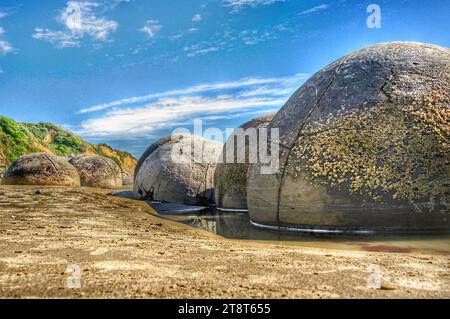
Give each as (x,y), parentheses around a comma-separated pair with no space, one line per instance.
(41,169)
(99,172)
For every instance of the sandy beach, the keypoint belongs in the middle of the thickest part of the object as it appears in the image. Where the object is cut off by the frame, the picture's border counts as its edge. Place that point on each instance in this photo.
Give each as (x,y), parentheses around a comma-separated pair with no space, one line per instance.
(124,251)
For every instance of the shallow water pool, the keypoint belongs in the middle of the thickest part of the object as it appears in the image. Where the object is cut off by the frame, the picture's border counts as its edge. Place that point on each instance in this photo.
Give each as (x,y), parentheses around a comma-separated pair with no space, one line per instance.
(237,225)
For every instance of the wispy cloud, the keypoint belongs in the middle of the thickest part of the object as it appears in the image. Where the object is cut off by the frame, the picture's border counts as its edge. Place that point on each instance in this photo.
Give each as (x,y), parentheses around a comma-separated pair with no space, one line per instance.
(5,46)
(229,40)
(237,5)
(80,20)
(254,83)
(113,4)
(252,37)
(60,39)
(182,34)
(144,115)
(200,49)
(151,28)
(315,9)
(197,17)
(166,113)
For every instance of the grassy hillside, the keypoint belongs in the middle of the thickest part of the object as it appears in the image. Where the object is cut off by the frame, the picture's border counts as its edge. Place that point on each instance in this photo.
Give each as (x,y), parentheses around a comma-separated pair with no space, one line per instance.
(23,138)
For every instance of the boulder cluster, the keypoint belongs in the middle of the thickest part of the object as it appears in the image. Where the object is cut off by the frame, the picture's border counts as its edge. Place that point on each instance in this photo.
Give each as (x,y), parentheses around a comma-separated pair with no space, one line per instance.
(364,145)
(51,170)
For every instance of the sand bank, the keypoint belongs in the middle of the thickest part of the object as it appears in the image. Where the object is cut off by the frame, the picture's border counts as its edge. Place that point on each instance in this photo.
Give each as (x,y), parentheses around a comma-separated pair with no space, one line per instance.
(122,250)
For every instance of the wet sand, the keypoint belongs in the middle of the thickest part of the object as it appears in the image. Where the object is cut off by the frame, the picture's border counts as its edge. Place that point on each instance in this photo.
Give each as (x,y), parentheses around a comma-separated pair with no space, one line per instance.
(124,251)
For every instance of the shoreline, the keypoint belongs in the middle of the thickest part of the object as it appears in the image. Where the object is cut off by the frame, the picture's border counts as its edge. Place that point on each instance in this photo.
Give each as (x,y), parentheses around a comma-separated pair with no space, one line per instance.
(125,250)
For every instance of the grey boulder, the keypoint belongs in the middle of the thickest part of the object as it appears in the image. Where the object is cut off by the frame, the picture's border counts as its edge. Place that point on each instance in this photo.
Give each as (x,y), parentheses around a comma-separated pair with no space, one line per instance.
(169,171)
(364,144)
(99,172)
(41,169)
(230,178)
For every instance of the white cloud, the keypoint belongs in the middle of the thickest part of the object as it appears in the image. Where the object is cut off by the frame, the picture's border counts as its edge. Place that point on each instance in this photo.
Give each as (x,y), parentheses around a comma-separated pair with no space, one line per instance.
(3,14)
(197,18)
(238,5)
(5,46)
(230,39)
(144,115)
(241,84)
(315,9)
(80,21)
(114,4)
(60,39)
(200,49)
(166,113)
(182,34)
(252,37)
(151,28)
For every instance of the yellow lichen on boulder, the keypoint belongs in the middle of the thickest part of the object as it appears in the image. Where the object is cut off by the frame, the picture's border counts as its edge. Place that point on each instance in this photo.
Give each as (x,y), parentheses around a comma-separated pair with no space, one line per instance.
(364,144)
(398,152)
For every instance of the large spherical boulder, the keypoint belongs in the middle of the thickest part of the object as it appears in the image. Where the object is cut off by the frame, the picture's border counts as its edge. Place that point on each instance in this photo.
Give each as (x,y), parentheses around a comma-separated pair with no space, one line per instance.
(172,171)
(364,144)
(127,179)
(99,172)
(230,178)
(41,169)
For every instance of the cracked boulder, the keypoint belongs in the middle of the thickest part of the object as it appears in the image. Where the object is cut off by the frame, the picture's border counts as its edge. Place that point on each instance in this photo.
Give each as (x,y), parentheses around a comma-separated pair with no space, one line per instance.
(230,178)
(364,145)
(178,169)
(99,172)
(41,169)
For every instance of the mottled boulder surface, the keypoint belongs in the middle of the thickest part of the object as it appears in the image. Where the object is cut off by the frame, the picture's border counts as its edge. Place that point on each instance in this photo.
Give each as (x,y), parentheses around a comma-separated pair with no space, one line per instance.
(41,169)
(150,150)
(170,172)
(230,179)
(127,180)
(97,171)
(365,143)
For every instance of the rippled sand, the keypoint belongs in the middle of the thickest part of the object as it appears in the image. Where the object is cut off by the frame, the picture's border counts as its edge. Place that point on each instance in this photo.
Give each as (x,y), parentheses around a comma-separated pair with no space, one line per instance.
(122,250)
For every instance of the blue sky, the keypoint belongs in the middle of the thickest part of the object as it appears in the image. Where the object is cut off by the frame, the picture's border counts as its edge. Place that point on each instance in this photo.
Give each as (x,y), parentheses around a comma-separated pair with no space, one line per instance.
(126,72)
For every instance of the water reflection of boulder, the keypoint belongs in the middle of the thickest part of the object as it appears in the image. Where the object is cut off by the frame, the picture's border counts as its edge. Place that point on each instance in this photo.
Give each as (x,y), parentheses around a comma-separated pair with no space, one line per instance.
(230,179)
(170,172)
(205,222)
(41,169)
(100,172)
(365,144)
(236,225)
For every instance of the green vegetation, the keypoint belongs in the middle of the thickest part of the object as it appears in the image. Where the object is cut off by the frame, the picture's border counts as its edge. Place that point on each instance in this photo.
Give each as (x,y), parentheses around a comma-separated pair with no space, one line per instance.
(58,140)
(24,138)
(15,139)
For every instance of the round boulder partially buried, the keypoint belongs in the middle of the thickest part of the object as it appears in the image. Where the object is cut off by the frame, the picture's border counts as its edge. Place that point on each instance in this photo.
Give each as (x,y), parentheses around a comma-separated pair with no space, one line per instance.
(364,145)
(230,178)
(99,172)
(171,170)
(41,169)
